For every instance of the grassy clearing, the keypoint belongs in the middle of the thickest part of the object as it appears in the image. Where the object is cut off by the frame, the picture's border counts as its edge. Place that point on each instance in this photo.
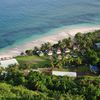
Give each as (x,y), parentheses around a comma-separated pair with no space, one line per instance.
(33,61)
(79,69)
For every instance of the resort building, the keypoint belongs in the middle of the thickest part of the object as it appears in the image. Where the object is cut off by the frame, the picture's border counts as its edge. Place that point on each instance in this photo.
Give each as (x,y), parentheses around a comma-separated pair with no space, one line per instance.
(61,73)
(97,45)
(58,51)
(50,53)
(74,55)
(7,63)
(66,50)
(40,53)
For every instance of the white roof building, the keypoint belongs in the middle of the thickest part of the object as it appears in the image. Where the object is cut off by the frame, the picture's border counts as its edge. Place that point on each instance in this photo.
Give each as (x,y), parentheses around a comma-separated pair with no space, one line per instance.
(67,50)
(61,73)
(58,51)
(7,63)
(50,53)
(40,53)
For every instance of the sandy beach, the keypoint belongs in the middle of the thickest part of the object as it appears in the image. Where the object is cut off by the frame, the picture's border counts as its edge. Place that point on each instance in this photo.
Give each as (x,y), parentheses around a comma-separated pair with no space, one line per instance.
(59,35)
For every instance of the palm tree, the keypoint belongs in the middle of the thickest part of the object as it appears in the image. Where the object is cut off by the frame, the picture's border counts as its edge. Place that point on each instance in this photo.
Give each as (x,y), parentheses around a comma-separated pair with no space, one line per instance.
(48,45)
(67,42)
(61,45)
(59,64)
(78,61)
(29,52)
(36,48)
(70,60)
(64,60)
(78,38)
(52,62)
(43,48)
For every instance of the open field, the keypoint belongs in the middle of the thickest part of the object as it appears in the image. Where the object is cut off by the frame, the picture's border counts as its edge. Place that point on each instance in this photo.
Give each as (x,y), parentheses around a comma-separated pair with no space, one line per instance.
(33,61)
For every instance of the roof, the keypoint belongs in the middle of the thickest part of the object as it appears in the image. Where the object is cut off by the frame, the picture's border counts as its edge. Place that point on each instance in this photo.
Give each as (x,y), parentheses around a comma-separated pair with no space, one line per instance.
(40,53)
(67,50)
(6,63)
(61,73)
(50,53)
(97,44)
(58,51)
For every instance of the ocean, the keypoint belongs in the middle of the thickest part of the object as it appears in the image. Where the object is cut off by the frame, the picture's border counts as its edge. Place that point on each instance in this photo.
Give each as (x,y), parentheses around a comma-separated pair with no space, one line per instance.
(21,20)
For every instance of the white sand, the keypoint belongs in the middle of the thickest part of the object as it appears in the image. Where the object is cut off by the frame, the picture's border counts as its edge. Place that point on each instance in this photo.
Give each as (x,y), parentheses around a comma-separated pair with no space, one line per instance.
(52,39)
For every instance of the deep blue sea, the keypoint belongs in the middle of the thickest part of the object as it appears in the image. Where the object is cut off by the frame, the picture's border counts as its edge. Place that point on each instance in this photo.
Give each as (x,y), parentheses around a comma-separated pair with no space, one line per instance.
(23,19)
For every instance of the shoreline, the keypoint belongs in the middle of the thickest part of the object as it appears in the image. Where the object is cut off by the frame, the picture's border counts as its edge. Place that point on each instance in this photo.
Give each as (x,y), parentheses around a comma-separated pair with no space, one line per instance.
(53,38)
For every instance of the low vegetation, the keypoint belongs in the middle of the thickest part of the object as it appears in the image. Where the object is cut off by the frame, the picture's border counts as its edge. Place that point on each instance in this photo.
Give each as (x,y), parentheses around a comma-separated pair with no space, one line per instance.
(33,61)
(36,86)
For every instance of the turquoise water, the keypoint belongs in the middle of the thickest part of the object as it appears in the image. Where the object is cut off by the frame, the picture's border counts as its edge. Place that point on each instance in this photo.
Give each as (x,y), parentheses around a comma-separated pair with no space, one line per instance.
(22,20)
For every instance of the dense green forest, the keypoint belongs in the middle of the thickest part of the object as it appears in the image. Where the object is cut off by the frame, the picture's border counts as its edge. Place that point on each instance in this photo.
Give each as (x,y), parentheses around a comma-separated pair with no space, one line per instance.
(39,86)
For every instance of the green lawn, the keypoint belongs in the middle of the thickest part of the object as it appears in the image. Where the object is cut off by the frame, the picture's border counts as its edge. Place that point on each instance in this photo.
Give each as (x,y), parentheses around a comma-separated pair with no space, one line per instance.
(33,61)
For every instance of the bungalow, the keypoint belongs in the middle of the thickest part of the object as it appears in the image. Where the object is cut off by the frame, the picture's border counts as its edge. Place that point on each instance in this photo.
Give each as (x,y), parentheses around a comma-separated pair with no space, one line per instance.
(97,45)
(40,53)
(74,55)
(61,73)
(46,51)
(7,63)
(58,51)
(50,53)
(66,50)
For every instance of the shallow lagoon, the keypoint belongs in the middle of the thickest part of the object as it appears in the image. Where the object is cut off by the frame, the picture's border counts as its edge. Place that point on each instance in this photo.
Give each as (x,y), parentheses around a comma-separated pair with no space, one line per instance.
(21,21)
